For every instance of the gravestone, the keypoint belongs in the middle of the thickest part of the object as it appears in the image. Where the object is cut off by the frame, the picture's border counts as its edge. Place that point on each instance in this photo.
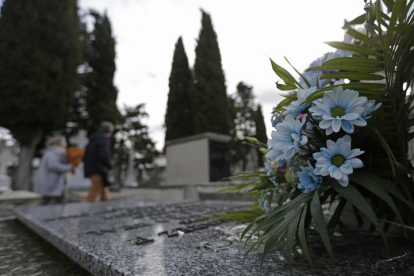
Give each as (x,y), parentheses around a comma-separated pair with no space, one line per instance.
(136,237)
(196,159)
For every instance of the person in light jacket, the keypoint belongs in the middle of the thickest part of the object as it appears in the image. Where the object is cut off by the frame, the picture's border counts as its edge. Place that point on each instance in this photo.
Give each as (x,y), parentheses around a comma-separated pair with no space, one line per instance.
(50,180)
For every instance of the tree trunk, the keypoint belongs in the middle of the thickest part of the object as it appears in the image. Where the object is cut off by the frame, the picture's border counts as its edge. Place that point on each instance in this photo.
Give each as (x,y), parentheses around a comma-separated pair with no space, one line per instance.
(24,169)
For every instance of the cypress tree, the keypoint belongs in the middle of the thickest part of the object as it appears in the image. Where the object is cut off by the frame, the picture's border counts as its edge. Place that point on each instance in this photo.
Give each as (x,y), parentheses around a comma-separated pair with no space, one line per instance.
(39,54)
(101,93)
(78,115)
(260,132)
(179,115)
(243,122)
(211,107)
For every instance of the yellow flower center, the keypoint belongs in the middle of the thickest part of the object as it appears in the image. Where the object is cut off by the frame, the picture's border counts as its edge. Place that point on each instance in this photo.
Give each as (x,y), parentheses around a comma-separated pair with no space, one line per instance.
(337,111)
(338,160)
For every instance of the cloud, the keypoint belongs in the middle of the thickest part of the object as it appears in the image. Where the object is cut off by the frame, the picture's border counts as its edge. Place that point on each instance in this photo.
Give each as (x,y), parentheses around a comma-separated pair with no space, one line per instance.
(269,96)
(151,75)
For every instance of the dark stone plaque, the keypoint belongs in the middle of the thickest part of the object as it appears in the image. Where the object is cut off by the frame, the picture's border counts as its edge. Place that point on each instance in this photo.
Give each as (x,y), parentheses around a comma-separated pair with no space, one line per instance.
(219,160)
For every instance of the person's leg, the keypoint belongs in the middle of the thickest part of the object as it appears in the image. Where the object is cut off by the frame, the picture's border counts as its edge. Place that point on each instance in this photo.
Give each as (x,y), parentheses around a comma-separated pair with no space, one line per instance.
(96,187)
(105,195)
(45,200)
(63,198)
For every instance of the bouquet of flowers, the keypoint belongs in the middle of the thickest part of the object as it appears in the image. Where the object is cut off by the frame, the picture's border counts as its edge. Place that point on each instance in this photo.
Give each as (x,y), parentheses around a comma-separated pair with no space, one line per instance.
(342,135)
(75,155)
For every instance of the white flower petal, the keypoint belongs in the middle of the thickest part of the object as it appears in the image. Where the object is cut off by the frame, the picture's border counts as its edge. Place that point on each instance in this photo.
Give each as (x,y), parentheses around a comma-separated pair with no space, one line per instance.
(356,163)
(329,131)
(344,149)
(344,181)
(346,169)
(347,139)
(347,126)
(325,124)
(336,125)
(359,122)
(354,153)
(303,140)
(336,173)
(330,143)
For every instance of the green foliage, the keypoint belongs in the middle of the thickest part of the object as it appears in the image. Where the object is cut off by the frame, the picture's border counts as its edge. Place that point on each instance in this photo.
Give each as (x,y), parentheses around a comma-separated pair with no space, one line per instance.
(39,54)
(211,107)
(134,133)
(101,93)
(180,113)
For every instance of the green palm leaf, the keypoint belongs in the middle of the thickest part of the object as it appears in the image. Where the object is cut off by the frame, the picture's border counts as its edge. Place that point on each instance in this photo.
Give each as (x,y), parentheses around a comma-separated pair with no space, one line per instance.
(354,48)
(319,219)
(367,40)
(351,76)
(355,198)
(368,182)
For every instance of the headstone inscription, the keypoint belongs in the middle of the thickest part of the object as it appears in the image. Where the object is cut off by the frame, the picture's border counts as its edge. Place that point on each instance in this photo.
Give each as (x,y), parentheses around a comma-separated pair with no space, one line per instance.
(132,237)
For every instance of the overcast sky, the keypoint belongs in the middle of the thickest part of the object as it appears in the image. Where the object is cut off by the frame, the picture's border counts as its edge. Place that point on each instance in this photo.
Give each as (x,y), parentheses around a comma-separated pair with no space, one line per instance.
(249,33)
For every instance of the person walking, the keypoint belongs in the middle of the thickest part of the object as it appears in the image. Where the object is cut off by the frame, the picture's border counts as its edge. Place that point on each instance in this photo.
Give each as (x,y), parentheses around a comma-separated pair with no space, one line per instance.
(97,162)
(50,180)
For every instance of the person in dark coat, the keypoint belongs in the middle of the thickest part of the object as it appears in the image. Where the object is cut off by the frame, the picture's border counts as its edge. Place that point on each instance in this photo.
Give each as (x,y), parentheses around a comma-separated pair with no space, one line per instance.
(97,162)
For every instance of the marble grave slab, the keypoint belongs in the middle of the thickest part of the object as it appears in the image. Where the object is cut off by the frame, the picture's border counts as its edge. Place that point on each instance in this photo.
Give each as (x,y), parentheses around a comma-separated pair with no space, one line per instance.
(131,237)
(134,237)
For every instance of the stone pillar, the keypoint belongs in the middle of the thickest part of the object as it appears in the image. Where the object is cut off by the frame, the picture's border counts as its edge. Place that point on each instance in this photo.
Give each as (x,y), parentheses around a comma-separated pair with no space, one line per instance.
(131,179)
(6,156)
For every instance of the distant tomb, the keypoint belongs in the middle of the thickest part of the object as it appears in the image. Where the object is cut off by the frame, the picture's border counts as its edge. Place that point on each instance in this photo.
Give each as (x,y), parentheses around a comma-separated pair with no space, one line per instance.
(198,159)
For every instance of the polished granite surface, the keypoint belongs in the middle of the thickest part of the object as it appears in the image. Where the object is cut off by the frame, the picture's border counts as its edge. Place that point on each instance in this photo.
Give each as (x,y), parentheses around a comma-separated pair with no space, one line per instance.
(132,237)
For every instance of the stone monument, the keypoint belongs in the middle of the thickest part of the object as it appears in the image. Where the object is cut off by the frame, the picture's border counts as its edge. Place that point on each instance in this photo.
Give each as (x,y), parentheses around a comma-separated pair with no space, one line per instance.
(6,156)
(131,179)
(198,159)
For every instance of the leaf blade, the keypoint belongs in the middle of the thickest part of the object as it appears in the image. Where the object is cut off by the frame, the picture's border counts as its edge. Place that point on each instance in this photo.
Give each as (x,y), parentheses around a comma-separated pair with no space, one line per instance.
(319,219)
(354,48)
(351,194)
